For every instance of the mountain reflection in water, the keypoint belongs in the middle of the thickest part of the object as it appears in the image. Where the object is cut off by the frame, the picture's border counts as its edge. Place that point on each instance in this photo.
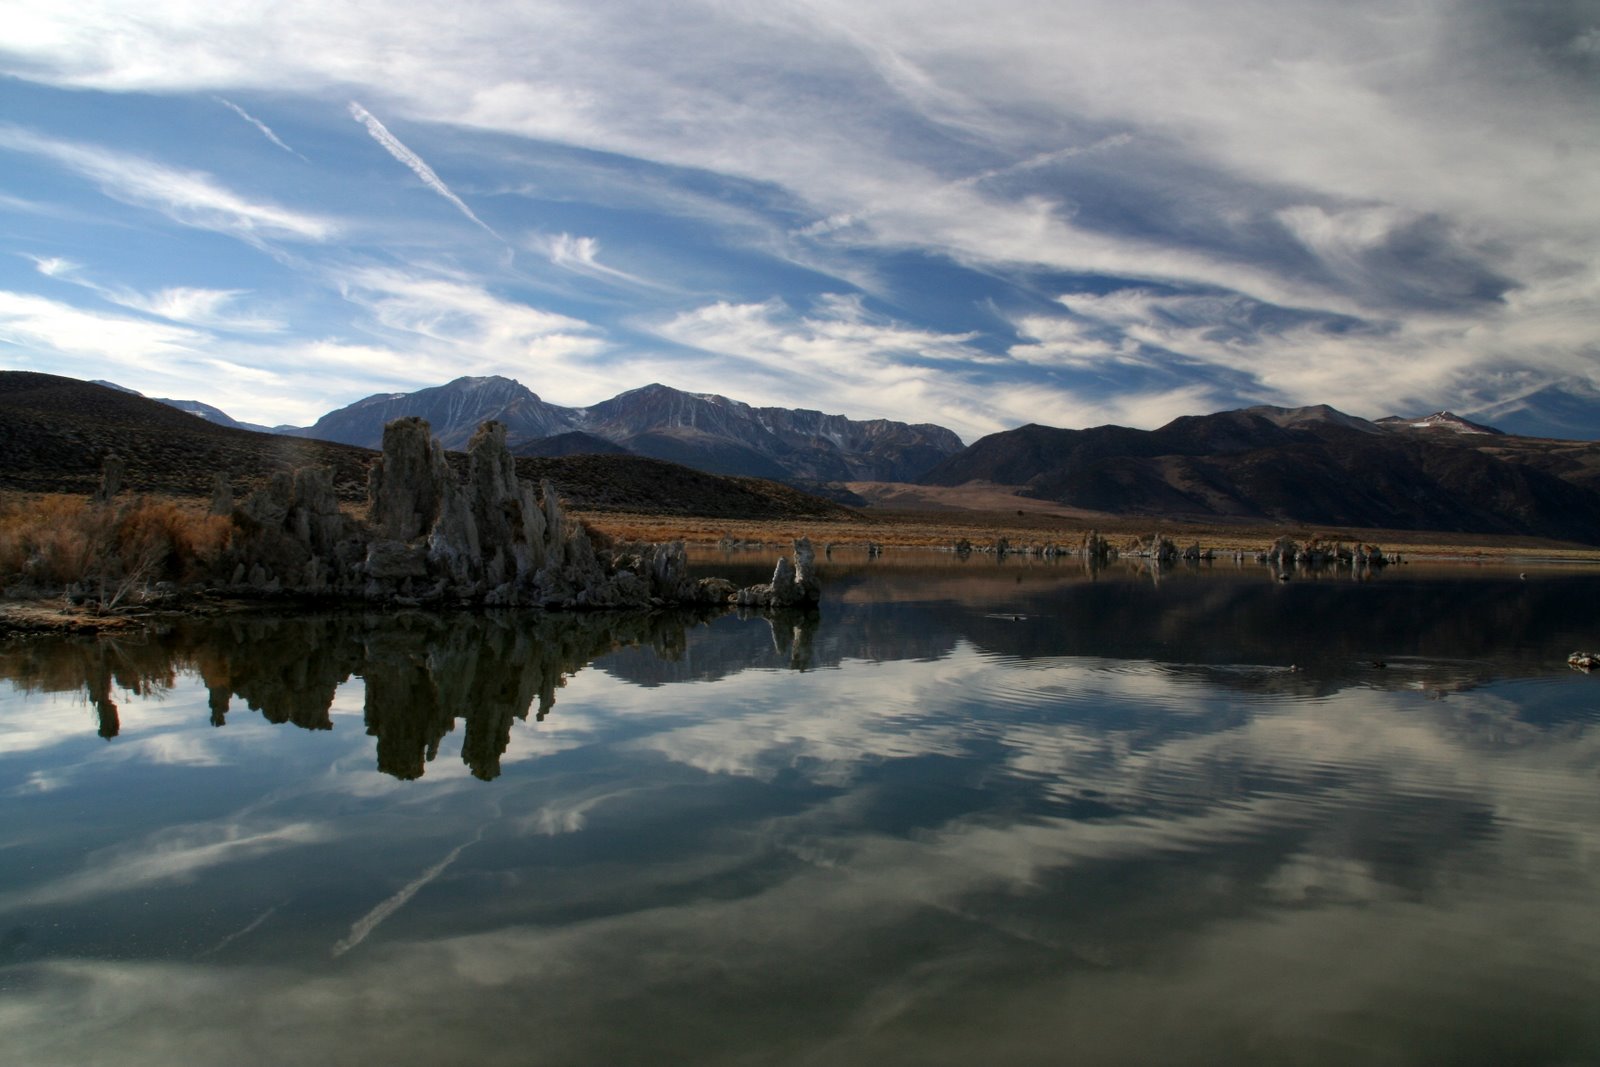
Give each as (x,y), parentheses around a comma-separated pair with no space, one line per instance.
(425,672)
(1017,814)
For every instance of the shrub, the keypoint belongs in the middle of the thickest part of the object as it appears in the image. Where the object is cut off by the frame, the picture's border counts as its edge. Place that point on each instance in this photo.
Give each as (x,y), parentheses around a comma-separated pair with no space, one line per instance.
(55,541)
(170,541)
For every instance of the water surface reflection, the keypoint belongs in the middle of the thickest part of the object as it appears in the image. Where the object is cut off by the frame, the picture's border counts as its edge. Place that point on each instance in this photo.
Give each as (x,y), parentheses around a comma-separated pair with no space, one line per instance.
(954,816)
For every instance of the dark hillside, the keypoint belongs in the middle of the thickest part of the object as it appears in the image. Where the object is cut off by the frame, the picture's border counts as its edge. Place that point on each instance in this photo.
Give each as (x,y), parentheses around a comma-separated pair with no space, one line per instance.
(54,433)
(571,443)
(1310,465)
(656,487)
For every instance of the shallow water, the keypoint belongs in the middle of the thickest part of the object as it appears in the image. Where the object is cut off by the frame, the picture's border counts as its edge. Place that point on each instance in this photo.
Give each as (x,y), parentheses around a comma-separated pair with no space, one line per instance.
(1009,813)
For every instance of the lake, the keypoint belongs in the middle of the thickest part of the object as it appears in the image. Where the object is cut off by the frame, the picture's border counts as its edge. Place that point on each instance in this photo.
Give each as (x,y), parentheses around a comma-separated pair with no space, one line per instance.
(1006,813)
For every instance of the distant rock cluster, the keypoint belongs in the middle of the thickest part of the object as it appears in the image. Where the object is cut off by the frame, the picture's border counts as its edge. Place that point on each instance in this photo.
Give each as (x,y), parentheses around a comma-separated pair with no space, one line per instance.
(429,538)
(1320,552)
(1097,550)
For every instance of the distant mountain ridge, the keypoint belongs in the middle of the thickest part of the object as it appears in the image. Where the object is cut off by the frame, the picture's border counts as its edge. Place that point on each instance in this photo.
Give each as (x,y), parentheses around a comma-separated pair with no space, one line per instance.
(454,410)
(55,431)
(1309,465)
(1439,422)
(213,415)
(1306,465)
(709,432)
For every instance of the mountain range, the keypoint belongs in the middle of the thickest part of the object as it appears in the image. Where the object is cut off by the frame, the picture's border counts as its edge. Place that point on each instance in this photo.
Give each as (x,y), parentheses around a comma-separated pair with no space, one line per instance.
(55,431)
(708,432)
(1311,465)
(1307,465)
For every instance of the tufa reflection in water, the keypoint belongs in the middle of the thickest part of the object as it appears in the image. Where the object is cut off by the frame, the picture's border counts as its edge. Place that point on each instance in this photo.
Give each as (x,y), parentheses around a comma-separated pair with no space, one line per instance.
(1242,632)
(423,672)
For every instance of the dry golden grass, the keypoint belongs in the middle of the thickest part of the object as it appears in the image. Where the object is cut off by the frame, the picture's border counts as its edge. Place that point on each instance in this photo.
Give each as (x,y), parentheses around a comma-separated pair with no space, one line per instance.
(943,528)
(54,540)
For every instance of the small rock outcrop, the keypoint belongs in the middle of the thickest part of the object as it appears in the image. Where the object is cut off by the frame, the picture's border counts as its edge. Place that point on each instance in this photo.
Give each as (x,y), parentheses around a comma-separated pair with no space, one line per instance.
(112,469)
(1282,553)
(1321,552)
(1096,548)
(1157,547)
(291,535)
(794,584)
(221,495)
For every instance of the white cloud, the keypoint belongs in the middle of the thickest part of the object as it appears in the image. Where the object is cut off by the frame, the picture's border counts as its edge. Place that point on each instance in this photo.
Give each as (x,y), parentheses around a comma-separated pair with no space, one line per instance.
(1278,152)
(287,382)
(208,308)
(581,255)
(1057,341)
(191,198)
(435,326)
(839,358)
(414,162)
(33,323)
(56,266)
(1287,356)
(461,313)
(191,306)
(266,131)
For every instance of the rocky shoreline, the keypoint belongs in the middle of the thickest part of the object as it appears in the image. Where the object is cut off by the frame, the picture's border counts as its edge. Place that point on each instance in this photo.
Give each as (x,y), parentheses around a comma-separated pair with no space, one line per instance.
(429,539)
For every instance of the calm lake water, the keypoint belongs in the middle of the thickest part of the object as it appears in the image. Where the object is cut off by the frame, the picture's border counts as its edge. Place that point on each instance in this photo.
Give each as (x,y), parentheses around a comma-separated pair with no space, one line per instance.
(968,813)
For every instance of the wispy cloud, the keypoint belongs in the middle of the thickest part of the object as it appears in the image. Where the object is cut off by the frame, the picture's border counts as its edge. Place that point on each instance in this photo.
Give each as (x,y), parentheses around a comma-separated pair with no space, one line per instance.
(189,197)
(458,310)
(209,308)
(266,131)
(839,357)
(1415,194)
(581,255)
(416,163)
(1216,350)
(290,380)
(34,323)
(55,266)
(191,306)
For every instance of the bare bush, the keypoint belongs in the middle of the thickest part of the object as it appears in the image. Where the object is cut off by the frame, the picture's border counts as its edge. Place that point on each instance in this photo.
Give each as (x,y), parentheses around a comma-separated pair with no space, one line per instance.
(55,541)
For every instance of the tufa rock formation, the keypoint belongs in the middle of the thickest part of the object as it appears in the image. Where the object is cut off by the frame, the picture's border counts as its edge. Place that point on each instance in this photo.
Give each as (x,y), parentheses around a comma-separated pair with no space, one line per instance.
(431,539)
(793,584)
(112,470)
(221,495)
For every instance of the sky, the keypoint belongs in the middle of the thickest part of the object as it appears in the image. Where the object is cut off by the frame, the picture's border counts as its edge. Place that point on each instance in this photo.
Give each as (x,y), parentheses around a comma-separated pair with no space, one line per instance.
(1069,212)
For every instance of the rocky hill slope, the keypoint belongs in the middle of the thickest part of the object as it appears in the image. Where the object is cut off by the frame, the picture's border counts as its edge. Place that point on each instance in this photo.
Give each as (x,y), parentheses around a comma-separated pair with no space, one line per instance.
(708,432)
(1309,465)
(55,432)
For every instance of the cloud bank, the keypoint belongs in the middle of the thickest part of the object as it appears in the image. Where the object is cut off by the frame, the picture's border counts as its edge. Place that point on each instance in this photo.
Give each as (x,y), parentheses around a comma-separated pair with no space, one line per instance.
(1119,211)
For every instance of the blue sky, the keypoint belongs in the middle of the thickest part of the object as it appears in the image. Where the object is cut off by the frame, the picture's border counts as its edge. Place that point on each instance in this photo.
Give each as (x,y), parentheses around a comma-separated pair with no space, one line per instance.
(1071,212)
